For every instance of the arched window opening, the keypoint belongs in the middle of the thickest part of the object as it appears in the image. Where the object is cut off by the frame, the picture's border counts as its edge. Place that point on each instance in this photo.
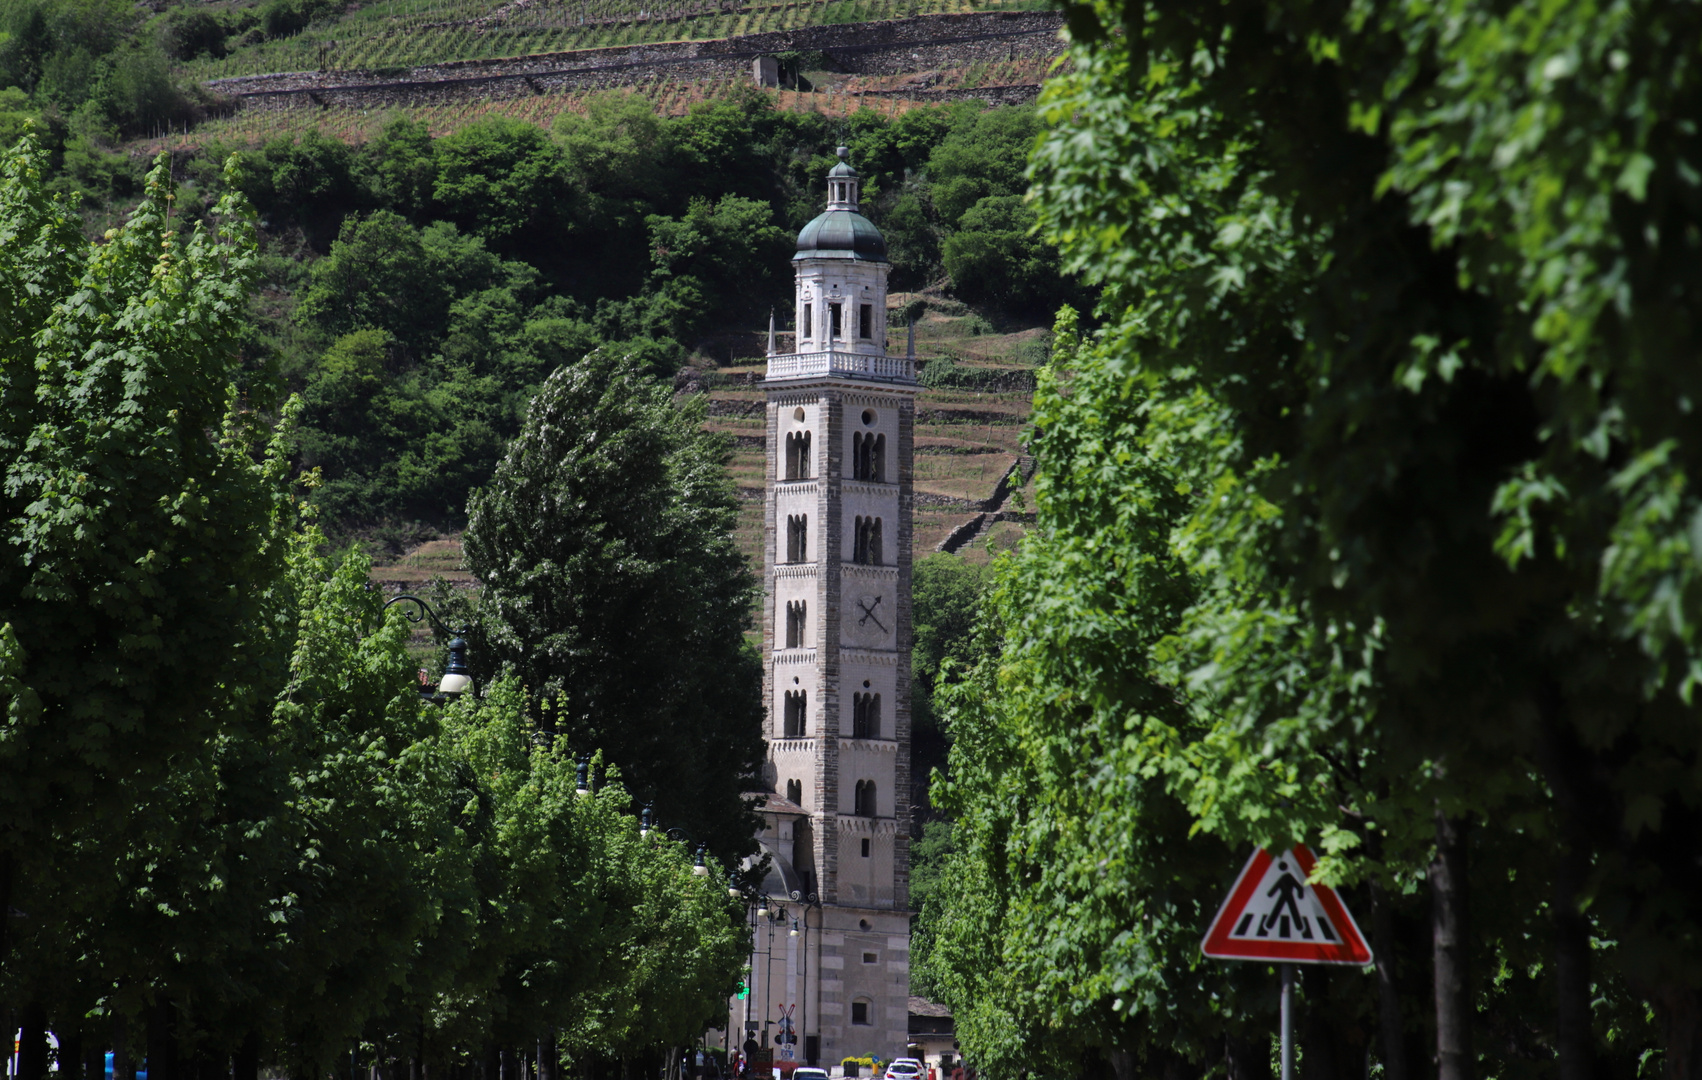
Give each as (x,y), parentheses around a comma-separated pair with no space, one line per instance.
(865,716)
(798,455)
(863,799)
(793,725)
(797,537)
(808,326)
(795,791)
(865,321)
(795,624)
(860,1014)
(866,541)
(868,457)
(836,328)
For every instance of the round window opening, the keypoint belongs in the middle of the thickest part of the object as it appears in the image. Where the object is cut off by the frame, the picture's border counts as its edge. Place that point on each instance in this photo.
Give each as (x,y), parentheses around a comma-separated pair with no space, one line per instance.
(868,418)
(794,679)
(798,414)
(865,684)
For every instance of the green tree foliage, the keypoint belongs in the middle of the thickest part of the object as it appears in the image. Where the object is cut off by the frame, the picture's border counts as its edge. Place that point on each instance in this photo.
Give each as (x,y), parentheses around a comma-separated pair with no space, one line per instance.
(946,598)
(612,586)
(494,254)
(138,557)
(1362,488)
(715,264)
(231,825)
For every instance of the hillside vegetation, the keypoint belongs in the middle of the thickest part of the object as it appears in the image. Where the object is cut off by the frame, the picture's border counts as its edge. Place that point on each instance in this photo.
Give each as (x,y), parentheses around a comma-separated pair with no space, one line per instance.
(418,289)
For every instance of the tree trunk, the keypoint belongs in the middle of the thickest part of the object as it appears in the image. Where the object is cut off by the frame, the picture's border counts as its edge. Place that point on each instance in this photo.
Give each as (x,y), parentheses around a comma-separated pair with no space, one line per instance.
(1246,1059)
(1679,1010)
(70,1056)
(1575,1033)
(121,1067)
(162,1041)
(1391,1029)
(6,865)
(1450,949)
(509,1066)
(547,1057)
(1330,1048)
(1563,763)
(246,1065)
(32,1043)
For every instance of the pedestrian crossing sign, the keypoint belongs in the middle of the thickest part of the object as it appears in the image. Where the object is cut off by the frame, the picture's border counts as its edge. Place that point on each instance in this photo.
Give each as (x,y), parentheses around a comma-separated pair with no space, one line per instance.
(1272,913)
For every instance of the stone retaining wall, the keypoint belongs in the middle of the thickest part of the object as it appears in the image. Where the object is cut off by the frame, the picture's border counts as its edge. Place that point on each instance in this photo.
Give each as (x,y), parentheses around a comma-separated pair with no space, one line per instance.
(890,47)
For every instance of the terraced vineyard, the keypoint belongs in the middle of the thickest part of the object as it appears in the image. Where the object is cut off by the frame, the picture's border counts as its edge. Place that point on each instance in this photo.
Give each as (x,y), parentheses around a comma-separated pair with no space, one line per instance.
(400,33)
(251,127)
(966,443)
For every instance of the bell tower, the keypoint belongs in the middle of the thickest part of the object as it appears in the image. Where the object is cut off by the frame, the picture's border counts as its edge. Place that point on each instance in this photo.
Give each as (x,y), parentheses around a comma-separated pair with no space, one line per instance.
(836,641)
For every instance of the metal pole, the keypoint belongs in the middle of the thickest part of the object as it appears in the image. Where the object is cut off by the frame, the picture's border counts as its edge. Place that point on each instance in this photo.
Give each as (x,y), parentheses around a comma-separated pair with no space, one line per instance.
(1288,1022)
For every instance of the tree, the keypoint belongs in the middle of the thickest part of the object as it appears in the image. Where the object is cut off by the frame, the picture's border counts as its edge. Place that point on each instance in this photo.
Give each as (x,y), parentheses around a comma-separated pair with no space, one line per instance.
(612,586)
(139,505)
(1390,439)
(504,181)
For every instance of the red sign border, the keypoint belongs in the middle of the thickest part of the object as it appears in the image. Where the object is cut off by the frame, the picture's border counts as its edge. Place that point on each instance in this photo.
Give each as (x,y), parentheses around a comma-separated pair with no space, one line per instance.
(1350,950)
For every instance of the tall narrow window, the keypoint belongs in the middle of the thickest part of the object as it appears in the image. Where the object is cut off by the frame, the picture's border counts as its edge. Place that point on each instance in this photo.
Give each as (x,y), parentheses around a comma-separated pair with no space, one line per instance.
(797,538)
(808,329)
(834,327)
(865,321)
(866,541)
(795,791)
(860,1013)
(865,716)
(795,624)
(798,455)
(793,721)
(863,799)
(868,456)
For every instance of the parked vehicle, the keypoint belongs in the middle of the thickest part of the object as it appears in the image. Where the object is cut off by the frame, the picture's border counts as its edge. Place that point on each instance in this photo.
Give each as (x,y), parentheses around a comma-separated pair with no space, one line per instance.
(904,1069)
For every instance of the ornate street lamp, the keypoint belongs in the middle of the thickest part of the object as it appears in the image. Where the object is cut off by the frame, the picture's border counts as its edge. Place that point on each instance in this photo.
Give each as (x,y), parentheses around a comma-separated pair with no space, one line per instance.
(456,680)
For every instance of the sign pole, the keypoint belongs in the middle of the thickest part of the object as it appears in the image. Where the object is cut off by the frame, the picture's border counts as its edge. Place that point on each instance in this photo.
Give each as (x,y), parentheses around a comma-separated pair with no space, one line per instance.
(1274,914)
(1288,1022)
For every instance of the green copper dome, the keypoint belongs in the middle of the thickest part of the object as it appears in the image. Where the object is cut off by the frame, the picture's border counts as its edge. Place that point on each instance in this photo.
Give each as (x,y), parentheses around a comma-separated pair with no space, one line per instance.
(841,234)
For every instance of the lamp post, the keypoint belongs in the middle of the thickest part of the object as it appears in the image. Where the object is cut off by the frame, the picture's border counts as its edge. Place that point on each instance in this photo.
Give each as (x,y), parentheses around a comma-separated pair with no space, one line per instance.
(811,900)
(647,824)
(456,680)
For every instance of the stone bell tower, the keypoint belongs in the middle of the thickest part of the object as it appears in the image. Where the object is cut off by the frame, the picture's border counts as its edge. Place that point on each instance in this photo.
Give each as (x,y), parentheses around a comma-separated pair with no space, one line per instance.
(836,639)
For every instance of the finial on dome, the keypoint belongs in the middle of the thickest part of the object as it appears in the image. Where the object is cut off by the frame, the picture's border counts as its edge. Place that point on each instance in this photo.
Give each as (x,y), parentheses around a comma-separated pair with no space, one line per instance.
(844,153)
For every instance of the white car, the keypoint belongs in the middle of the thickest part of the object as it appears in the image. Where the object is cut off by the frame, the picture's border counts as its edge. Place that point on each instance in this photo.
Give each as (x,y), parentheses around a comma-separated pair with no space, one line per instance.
(807,1073)
(904,1069)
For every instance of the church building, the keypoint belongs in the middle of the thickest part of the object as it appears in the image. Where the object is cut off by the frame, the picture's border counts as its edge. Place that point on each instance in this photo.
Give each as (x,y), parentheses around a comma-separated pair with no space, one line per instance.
(830,975)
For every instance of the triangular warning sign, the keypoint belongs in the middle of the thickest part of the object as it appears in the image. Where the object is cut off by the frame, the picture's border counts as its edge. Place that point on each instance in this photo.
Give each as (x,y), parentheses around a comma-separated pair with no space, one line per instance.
(1273,914)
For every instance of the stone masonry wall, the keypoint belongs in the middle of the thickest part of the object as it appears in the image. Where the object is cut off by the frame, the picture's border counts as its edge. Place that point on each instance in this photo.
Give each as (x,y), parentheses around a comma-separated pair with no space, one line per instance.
(889,47)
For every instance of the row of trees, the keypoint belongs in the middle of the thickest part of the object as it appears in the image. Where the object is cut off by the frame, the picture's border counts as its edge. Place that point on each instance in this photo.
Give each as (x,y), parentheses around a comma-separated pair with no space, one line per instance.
(232,834)
(1368,520)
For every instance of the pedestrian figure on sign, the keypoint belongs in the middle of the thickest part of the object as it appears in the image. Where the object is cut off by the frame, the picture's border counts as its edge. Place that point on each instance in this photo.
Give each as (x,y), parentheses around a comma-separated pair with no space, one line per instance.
(1287,889)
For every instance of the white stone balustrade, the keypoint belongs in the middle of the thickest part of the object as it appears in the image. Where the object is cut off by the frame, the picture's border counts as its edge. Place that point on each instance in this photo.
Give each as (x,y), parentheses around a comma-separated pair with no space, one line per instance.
(815,365)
